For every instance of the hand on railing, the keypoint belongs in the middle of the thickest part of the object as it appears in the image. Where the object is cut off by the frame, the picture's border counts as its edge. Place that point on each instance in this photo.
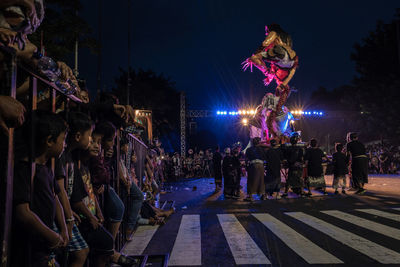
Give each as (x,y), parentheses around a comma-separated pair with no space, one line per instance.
(7,37)
(11,113)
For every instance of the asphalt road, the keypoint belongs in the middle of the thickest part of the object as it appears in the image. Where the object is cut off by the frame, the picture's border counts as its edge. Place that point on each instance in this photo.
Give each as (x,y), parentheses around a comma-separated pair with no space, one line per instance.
(333,230)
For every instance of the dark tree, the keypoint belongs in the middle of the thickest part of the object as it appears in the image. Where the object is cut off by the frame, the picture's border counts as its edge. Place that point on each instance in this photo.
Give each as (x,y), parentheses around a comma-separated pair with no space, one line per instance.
(155,92)
(60,28)
(377,85)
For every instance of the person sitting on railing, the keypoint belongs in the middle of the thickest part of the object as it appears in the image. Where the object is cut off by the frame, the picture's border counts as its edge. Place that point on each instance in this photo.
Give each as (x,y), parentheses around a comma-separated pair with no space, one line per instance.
(100,109)
(37,208)
(129,191)
(122,116)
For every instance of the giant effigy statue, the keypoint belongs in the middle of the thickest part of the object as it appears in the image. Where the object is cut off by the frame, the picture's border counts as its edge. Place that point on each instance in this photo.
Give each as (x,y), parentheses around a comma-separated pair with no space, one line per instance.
(276,59)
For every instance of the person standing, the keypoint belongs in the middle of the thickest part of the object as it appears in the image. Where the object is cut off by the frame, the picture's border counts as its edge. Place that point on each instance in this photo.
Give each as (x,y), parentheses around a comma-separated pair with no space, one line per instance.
(230,170)
(273,157)
(238,167)
(294,154)
(340,169)
(255,173)
(315,174)
(217,158)
(359,163)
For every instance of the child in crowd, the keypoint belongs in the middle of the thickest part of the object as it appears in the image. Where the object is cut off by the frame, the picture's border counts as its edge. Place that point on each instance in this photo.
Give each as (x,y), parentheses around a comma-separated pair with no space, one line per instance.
(101,177)
(36,209)
(70,181)
(100,241)
(340,169)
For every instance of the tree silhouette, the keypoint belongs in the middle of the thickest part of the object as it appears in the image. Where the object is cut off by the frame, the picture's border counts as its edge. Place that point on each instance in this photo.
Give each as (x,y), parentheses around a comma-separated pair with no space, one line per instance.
(377,85)
(152,91)
(60,28)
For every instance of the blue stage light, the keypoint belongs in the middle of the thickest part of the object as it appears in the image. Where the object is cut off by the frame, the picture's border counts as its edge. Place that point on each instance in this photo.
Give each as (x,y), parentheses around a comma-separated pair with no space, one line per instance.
(218,112)
(320,113)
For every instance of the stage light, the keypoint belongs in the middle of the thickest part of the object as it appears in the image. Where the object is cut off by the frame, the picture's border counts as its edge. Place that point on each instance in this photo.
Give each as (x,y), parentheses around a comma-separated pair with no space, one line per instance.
(252,111)
(245,122)
(240,112)
(320,113)
(302,112)
(224,112)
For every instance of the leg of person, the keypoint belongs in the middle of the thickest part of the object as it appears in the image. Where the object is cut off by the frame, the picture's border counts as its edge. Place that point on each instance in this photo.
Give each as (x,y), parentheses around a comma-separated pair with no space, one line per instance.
(307,182)
(114,210)
(335,183)
(344,184)
(78,257)
(78,249)
(136,201)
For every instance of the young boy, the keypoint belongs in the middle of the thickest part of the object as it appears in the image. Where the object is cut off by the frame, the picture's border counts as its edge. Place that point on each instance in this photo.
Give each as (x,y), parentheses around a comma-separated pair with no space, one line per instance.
(35,209)
(340,163)
(70,182)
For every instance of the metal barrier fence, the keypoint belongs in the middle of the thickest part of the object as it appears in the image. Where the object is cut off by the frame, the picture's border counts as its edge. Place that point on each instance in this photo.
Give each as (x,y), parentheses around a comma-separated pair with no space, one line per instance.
(9,66)
(141,151)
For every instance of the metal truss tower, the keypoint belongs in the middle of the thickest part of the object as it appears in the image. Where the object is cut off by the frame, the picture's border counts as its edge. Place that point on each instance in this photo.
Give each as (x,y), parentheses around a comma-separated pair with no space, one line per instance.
(183,124)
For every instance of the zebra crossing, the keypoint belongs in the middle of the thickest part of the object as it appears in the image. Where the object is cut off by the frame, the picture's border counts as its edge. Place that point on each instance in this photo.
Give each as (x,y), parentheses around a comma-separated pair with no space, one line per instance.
(286,227)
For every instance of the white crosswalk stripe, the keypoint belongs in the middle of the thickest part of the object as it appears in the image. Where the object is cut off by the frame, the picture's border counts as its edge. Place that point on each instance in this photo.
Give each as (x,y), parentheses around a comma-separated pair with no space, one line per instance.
(187,246)
(243,247)
(369,248)
(384,214)
(370,225)
(140,240)
(306,249)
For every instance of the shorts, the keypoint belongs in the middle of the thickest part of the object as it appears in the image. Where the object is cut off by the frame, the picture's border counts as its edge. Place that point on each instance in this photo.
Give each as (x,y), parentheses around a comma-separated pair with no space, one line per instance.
(77,241)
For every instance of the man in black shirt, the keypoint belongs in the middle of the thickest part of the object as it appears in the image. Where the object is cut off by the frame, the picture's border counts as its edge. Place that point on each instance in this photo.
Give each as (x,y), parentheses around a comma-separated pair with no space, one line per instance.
(359,163)
(315,174)
(273,158)
(217,158)
(255,172)
(294,155)
(231,172)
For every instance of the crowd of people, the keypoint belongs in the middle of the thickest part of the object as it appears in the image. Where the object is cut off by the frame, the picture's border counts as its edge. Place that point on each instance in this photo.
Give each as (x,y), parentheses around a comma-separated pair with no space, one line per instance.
(302,166)
(384,158)
(73,194)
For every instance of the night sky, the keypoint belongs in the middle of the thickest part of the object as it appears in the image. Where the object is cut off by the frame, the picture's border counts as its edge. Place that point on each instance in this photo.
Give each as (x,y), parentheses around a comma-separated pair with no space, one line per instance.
(201,44)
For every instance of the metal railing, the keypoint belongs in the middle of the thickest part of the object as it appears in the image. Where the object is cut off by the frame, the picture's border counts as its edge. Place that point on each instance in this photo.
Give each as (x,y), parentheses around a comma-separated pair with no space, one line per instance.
(10,66)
